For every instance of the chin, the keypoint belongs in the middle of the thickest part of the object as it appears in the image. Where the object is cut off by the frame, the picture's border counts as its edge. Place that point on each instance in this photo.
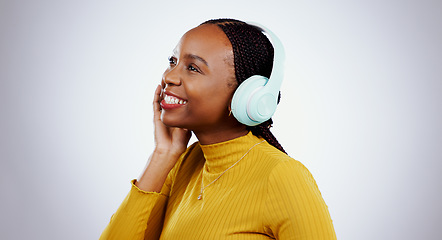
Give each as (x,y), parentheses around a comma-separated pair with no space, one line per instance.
(171,121)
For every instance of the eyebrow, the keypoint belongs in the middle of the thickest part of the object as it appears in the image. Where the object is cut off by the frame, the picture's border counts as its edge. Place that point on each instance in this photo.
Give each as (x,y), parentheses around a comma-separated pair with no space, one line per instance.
(196,57)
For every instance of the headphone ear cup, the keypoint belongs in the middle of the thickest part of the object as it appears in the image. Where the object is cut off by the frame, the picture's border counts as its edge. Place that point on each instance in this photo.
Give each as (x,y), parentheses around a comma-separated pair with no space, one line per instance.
(244,105)
(262,105)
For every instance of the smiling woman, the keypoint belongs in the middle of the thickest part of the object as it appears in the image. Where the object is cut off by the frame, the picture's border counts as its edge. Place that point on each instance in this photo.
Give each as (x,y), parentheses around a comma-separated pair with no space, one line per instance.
(236,182)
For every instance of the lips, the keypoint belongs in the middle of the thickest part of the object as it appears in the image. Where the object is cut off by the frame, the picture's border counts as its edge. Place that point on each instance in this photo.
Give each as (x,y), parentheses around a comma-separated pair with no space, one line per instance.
(170,101)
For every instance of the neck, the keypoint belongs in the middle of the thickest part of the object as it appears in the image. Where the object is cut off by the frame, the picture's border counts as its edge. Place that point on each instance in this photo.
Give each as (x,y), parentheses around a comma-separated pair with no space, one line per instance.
(218,135)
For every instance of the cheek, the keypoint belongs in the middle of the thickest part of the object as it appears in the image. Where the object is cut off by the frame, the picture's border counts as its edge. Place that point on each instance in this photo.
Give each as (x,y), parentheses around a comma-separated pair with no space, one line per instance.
(216,101)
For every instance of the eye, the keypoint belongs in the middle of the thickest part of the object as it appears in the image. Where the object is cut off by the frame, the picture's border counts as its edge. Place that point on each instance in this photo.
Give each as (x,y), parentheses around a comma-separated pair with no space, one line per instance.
(192,68)
(172,60)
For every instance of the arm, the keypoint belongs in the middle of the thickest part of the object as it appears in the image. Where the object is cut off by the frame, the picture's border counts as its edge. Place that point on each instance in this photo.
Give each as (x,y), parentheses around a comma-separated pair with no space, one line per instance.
(295,207)
(170,143)
(142,211)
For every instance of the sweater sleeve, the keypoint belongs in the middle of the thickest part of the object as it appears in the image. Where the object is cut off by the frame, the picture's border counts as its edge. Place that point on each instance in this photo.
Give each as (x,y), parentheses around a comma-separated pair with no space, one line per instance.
(141,213)
(295,207)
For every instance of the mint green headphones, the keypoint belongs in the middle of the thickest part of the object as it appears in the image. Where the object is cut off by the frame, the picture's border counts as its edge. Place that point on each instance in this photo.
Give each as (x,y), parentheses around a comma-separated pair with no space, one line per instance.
(255,99)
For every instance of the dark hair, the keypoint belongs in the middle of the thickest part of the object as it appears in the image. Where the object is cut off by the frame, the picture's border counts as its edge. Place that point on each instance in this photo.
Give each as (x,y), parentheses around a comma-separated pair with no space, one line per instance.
(253,55)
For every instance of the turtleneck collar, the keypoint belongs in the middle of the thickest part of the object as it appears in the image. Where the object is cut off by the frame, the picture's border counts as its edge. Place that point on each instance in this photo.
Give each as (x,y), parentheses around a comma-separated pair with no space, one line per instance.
(220,156)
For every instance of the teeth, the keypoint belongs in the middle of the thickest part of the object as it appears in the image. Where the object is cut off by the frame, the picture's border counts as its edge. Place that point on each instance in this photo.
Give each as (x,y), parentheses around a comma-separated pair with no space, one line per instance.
(173,100)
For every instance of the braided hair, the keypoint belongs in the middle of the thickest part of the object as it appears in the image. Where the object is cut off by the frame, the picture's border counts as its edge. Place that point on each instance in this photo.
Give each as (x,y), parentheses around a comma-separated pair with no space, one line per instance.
(253,55)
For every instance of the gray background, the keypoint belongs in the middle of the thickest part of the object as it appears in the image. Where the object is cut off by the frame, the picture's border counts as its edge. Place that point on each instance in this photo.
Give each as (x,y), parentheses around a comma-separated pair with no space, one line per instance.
(361,107)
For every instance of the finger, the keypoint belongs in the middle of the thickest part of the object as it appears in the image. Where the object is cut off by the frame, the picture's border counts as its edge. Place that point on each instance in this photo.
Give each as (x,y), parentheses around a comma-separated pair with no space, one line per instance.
(156,102)
(185,134)
(188,134)
(156,97)
(160,128)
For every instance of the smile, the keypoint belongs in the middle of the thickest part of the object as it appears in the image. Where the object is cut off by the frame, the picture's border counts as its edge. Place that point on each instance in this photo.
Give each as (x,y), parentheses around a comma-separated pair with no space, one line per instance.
(173,100)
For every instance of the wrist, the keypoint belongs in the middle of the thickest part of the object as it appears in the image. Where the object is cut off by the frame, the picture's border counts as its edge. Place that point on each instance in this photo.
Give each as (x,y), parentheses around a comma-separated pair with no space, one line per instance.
(166,152)
(164,158)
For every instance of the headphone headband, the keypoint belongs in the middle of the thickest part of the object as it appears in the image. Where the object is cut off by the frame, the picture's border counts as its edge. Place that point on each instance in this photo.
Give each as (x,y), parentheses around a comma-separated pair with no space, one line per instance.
(278,58)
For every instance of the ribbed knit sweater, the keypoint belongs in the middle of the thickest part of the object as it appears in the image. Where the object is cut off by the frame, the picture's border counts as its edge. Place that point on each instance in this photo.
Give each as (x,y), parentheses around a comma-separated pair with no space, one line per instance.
(266,195)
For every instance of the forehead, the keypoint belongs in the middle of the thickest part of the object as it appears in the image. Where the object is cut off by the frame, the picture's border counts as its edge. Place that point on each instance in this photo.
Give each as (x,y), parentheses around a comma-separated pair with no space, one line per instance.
(207,41)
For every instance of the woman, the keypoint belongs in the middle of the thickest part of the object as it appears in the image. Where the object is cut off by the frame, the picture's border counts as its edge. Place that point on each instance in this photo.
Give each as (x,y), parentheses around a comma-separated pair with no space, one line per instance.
(236,182)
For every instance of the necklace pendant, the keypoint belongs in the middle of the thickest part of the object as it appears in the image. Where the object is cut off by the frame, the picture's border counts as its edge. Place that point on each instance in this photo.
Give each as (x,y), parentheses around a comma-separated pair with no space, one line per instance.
(200,197)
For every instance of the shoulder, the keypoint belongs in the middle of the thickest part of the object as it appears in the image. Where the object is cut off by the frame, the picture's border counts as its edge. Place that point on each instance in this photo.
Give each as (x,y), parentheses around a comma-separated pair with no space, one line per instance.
(281,169)
(279,162)
(270,165)
(293,202)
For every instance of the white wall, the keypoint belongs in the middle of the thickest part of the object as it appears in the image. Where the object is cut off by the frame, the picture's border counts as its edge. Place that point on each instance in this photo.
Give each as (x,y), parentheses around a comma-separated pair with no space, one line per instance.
(361,107)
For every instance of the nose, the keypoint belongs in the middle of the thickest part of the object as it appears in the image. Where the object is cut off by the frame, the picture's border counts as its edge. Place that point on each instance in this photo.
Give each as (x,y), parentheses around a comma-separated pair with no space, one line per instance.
(172,77)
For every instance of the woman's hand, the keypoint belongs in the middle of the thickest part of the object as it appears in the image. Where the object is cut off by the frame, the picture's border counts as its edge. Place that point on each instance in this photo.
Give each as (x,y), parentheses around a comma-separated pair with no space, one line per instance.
(170,143)
(168,140)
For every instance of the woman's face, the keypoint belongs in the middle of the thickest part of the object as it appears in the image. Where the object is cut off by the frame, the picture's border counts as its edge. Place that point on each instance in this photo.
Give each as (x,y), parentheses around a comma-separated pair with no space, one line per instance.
(200,81)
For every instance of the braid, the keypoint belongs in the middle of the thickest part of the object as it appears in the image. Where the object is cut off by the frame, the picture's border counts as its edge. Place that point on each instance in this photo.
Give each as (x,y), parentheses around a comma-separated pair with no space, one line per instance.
(263,130)
(253,55)
(252,50)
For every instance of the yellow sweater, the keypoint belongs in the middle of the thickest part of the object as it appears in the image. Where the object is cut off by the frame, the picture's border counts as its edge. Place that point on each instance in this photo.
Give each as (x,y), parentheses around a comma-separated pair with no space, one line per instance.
(267,195)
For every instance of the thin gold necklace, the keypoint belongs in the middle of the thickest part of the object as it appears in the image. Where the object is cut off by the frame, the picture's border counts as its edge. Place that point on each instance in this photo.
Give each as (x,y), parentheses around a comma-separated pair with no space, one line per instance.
(204,187)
